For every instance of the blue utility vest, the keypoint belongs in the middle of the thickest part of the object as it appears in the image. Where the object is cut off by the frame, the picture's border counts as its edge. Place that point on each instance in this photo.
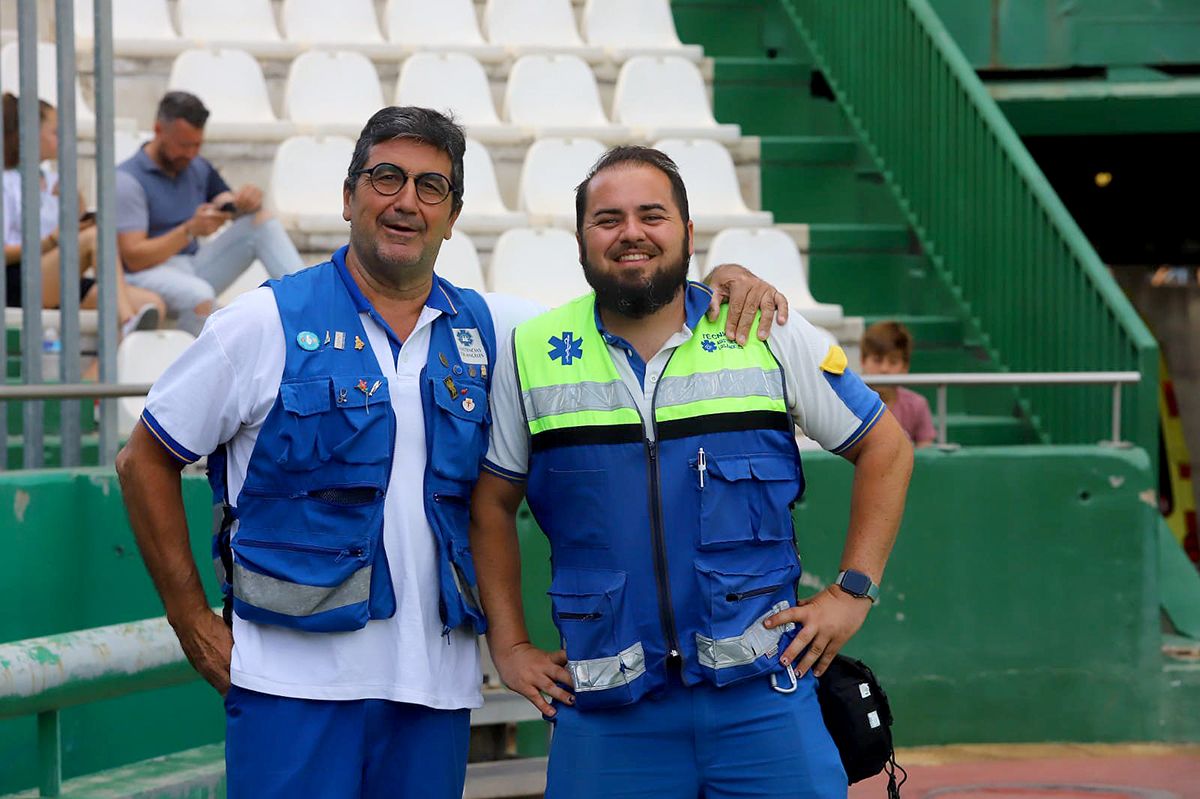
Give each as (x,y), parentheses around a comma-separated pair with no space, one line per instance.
(666,553)
(307,532)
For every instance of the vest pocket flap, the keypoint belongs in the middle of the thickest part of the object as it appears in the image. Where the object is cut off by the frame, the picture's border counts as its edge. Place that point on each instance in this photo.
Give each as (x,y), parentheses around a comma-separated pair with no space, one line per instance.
(773,467)
(585,595)
(468,400)
(306,397)
(729,467)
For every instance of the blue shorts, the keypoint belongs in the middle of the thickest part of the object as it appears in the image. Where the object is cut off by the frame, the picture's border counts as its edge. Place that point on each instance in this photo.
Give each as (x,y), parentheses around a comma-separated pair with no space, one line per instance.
(281,747)
(743,740)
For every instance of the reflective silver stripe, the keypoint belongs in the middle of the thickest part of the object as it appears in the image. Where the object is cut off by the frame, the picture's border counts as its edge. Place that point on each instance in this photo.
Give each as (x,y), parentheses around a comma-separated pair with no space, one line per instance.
(571,397)
(726,653)
(725,384)
(296,599)
(600,674)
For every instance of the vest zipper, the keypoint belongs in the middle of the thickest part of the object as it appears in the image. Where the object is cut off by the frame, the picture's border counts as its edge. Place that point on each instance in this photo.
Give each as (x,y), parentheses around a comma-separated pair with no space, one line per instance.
(354,552)
(665,607)
(738,597)
(579,616)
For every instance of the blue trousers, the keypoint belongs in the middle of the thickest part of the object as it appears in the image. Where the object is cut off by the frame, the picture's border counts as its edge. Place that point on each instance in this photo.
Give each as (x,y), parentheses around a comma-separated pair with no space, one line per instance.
(700,742)
(281,747)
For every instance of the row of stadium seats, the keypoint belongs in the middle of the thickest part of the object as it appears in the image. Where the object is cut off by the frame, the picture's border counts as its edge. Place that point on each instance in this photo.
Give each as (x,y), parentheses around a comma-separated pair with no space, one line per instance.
(542,264)
(307,171)
(545,95)
(611,29)
(336,91)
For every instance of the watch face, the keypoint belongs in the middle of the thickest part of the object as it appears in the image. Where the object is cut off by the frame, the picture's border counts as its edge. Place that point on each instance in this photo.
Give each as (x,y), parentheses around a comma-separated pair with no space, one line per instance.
(856,583)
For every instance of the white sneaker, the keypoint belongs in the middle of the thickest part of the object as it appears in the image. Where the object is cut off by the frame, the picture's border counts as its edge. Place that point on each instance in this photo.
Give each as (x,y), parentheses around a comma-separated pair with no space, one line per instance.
(146,318)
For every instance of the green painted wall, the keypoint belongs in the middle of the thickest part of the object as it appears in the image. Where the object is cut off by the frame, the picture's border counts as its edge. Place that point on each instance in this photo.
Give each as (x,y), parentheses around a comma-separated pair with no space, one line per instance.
(1055,34)
(71,563)
(1020,604)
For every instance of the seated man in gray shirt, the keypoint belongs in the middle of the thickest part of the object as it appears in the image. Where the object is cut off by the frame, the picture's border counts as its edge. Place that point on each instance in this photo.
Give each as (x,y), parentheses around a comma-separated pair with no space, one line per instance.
(167,196)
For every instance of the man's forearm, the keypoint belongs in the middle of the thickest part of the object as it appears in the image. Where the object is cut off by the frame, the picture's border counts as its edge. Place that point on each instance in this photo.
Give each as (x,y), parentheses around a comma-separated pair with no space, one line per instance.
(153,497)
(882,470)
(496,551)
(153,251)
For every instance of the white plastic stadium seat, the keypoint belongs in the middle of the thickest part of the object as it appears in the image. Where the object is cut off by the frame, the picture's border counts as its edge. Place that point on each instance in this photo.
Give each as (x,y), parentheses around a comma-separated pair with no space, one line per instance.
(635,27)
(556,95)
(353,25)
(141,28)
(142,357)
(536,26)
(306,182)
(483,209)
(458,262)
(231,84)
(246,24)
(455,82)
(332,92)
(552,170)
(445,25)
(47,74)
(663,97)
(714,197)
(540,265)
(773,256)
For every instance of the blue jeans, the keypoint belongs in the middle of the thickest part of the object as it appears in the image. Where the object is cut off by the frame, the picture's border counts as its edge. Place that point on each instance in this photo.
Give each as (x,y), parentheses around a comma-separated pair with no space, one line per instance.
(277,747)
(743,740)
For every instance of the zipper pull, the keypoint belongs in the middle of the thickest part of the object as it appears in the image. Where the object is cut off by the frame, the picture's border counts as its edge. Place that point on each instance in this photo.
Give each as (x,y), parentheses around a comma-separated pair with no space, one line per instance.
(701,465)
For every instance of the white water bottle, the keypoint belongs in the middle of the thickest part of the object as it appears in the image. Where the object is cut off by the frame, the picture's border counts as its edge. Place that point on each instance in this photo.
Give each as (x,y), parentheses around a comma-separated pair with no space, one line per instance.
(51,354)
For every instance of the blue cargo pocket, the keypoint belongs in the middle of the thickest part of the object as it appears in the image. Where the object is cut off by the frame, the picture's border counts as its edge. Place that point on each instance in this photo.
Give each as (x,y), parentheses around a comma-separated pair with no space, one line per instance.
(334,418)
(731,643)
(460,430)
(604,654)
(746,497)
(307,586)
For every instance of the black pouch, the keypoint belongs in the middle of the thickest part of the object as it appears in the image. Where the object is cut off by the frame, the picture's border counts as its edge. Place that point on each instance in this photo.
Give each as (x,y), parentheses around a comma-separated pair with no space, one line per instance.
(859,720)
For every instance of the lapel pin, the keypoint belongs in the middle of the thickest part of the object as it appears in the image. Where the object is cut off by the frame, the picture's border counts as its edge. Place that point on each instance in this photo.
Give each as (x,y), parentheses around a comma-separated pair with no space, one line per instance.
(339,340)
(308,340)
(449,384)
(468,404)
(358,343)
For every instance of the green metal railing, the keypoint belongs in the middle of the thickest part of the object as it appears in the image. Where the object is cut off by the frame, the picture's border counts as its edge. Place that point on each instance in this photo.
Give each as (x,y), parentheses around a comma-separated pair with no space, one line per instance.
(1025,276)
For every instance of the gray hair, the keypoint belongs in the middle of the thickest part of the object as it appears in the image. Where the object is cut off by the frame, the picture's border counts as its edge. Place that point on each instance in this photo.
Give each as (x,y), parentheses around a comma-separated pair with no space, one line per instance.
(419,124)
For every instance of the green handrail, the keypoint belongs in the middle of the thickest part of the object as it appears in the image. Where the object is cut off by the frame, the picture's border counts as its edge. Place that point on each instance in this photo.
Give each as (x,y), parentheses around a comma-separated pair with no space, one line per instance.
(1022,271)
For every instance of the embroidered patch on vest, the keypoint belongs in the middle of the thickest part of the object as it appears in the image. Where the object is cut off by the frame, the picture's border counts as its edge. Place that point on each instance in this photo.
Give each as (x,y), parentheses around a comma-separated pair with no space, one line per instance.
(470,345)
(565,349)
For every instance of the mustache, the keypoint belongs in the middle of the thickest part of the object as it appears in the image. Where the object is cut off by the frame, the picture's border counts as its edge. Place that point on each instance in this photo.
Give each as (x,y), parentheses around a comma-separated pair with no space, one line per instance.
(414,221)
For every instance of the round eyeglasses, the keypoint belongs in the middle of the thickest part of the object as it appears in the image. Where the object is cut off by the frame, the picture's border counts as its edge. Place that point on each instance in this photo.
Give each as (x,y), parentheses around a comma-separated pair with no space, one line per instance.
(388,179)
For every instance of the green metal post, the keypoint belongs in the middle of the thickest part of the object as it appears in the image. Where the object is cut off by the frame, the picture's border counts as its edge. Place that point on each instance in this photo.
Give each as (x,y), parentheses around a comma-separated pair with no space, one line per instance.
(49,753)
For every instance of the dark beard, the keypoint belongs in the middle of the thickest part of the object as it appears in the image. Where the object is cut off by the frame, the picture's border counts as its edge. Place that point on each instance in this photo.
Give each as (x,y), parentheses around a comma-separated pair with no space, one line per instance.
(637,300)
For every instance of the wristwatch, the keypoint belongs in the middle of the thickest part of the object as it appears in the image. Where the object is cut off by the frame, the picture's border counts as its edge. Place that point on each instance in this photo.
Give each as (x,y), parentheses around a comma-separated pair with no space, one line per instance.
(855,583)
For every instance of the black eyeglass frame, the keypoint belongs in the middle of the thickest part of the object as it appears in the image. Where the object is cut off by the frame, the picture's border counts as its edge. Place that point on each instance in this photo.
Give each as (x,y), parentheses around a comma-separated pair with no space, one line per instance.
(356,174)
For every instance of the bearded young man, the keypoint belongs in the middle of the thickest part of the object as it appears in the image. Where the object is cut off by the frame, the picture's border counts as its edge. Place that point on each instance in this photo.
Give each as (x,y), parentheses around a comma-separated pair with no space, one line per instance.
(659,457)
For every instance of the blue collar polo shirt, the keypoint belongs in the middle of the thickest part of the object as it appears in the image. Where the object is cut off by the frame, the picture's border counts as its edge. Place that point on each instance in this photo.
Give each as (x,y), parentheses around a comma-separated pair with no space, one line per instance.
(151,200)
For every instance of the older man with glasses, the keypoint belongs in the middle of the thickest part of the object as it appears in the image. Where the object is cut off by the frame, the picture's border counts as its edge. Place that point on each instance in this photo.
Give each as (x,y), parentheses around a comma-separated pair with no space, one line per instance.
(344,411)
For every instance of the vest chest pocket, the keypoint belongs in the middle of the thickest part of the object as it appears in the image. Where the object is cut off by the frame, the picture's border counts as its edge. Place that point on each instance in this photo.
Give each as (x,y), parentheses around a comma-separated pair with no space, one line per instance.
(746,498)
(341,418)
(604,655)
(459,428)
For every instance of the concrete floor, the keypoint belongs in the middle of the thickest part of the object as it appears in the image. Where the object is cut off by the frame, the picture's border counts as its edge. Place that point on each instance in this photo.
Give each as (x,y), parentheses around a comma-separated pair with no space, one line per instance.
(1044,771)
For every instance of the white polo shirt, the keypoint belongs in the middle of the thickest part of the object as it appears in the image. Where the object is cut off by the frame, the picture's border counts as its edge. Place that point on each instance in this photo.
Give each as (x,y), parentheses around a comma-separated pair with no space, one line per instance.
(220,392)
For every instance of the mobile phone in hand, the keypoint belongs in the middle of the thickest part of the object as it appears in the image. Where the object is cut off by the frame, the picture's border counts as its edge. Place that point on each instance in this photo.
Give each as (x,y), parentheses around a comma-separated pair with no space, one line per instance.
(227,208)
